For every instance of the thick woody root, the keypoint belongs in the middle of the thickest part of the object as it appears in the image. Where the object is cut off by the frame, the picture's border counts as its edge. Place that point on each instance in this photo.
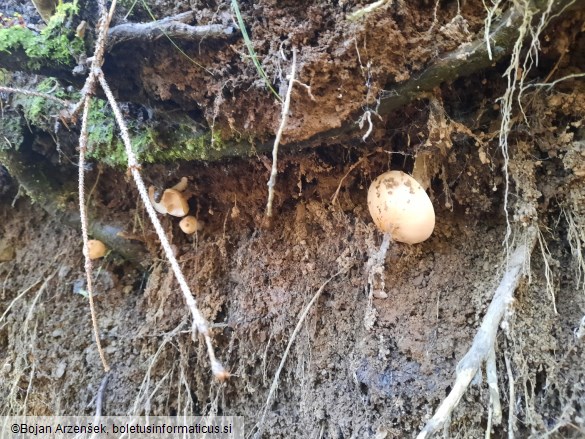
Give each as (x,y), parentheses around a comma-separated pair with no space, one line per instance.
(483,347)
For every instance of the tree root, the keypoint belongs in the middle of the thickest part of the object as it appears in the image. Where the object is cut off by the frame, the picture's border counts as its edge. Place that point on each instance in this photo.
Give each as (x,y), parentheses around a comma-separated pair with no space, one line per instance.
(175,27)
(34,177)
(464,61)
(483,347)
(260,425)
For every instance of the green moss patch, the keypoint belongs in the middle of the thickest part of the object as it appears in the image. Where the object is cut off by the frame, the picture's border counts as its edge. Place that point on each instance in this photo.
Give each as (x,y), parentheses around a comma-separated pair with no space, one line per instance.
(55,44)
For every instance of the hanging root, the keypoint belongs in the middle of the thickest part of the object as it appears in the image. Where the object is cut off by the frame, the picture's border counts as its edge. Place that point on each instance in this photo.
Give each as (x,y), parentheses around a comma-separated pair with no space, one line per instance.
(274,385)
(199,322)
(96,76)
(375,286)
(576,238)
(283,121)
(483,347)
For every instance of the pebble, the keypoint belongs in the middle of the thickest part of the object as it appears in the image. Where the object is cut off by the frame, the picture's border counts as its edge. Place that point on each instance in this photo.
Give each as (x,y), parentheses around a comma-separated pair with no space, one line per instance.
(417,281)
(7,252)
(64,271)
(380,294)
(60,371)
(79,286)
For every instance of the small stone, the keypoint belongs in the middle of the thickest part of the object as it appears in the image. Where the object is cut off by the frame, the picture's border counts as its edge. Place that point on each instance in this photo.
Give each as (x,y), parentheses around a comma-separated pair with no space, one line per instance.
(79,287)
(380,294)
(7,252)
(417,281)
(64,271)
(60,371)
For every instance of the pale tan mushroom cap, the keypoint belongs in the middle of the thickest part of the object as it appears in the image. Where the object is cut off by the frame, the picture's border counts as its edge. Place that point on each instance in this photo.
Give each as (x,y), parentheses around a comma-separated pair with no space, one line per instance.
(400,206)
(174,203)
(171,202)
(190,225)
(97,249)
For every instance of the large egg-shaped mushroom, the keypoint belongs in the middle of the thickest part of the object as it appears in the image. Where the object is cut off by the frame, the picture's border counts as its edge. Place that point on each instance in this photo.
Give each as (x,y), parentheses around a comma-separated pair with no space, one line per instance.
(400,206)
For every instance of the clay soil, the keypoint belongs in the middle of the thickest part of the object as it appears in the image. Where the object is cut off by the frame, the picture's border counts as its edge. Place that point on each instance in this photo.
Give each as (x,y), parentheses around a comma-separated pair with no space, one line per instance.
(347,376)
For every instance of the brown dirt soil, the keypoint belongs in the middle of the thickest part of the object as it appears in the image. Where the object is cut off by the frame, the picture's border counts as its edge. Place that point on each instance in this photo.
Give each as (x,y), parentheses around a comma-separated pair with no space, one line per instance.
(346,64)
(341,380)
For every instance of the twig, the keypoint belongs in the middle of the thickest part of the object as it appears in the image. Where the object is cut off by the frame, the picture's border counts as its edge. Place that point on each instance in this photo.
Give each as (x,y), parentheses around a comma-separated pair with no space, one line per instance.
(171,27)
(274,384)
(485,338)
(285,110)
(199,322)
(34,93)
(511,397)
(349,171)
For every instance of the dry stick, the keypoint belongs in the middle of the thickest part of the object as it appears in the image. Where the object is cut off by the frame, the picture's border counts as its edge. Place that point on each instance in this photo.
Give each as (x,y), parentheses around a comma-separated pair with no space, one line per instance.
(285,110)
(486,336)
(511,397)
(274,384)
(33,93)
(199,322)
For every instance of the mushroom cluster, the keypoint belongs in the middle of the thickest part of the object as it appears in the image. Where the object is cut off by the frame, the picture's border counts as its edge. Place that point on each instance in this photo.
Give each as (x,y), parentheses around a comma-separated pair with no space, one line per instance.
(174,202)
(400,206)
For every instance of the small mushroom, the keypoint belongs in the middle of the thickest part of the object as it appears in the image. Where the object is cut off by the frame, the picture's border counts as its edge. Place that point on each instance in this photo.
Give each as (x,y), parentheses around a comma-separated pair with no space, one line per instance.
(97,249)
(171,202)
(190,225)
(400,206)
(181,185)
